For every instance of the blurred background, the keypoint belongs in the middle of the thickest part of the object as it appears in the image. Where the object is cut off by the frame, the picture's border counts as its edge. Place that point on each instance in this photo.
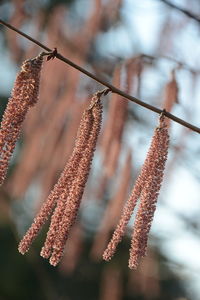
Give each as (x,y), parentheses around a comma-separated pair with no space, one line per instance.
(151,50)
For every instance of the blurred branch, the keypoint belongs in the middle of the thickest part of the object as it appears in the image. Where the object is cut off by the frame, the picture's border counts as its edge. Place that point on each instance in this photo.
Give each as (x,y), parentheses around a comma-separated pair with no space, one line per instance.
(112,88)
(184,11)
(179,63)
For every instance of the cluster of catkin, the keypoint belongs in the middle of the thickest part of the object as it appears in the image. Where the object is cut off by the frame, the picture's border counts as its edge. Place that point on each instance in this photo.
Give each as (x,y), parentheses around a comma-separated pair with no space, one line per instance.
(67,193)
(64,200)
(147,187)
(24,95)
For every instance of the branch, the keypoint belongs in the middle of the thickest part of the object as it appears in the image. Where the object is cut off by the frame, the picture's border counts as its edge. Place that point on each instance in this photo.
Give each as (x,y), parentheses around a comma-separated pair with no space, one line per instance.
(169,58)
(112,88)
(184,11)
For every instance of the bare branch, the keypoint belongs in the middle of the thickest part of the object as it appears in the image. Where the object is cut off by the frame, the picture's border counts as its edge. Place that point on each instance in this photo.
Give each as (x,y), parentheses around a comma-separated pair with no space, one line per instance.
(112,88)
(184,11)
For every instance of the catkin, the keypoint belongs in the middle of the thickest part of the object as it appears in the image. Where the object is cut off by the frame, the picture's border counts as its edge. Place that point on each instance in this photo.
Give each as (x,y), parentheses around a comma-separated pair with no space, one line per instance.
(149,196)
(24,95)
(151,171)
(67,193)
(77,188)
(67,175)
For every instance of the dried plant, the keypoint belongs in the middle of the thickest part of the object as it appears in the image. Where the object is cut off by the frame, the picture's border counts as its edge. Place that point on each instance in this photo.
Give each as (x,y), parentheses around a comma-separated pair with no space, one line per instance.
(147,187)
(67,193)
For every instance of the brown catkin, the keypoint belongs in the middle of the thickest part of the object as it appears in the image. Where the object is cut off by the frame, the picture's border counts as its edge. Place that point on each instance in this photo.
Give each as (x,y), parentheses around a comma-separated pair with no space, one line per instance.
(24,95)
(147,172)
(149,196)
(67,193)
(77,188)
(66,176)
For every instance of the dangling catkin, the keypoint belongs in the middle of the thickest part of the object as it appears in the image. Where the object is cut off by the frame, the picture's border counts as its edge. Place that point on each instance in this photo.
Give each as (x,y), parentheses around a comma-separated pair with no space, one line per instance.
(67,175)
(142,186)
(67,193)
(149,196)
(75,193)
(24,95)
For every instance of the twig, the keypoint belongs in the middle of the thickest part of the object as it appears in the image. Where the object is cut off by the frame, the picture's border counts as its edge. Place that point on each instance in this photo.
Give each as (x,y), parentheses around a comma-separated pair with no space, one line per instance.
(184,11)
(179,63)
(112,88)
